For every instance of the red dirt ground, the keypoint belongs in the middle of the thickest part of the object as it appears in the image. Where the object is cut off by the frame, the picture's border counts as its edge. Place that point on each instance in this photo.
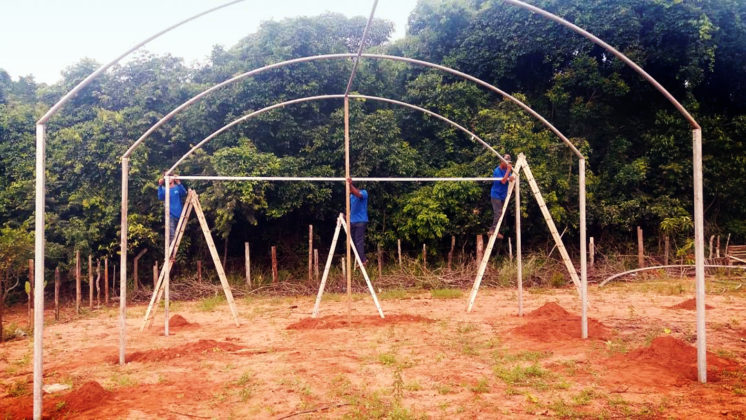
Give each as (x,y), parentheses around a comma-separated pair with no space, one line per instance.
(338,321)
(552,322)
(427,359)
(690,304)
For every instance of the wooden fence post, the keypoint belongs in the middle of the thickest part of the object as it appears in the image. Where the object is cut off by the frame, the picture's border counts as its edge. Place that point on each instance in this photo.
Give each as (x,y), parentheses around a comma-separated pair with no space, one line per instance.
(717,248)
(30,293)
(90,281)
(274,264)
(424,256)
(310,253)
(344,268)
(56,293)
(136,275)
(712,238)
(199,271)
(480,248)
(316,263)
(155,274)
(247,263)
(510,249)
(98,282)
(380,261)
(77,282)
(640,249)
(106,280)
(450,253)
(592,251)
(398,250)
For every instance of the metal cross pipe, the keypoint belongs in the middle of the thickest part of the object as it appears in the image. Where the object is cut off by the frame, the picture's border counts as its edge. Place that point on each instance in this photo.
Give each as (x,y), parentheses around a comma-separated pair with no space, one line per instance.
(329,179)
(360,50)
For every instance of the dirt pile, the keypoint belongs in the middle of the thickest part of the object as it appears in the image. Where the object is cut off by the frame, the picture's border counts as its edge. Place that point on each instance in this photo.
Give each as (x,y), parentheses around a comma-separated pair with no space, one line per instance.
(552,322)
(679,358)
(355,321)
(87,397)
(178,322)
(196,348)
(689,304)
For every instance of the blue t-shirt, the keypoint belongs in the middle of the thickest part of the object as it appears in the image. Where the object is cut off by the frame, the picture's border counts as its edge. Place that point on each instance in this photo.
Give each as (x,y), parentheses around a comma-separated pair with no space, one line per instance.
(499,190)
(359,208)
(177,192)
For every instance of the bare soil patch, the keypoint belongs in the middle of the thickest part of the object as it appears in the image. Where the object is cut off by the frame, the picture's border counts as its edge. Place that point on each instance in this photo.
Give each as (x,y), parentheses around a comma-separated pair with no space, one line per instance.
(339,321)
(689,304)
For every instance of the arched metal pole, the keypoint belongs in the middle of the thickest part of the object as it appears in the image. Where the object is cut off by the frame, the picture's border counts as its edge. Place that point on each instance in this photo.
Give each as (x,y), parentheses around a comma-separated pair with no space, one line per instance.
(322,97)
(699,241)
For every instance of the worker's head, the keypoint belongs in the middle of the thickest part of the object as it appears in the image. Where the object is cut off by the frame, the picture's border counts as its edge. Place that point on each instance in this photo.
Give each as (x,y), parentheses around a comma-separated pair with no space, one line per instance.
(504,163)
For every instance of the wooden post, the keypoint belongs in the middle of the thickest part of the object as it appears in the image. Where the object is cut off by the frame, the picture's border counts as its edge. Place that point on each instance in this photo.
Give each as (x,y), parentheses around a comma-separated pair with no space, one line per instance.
(199,271)
(30,293)
(98,282)
(583,251)
(398,250)
(712,238)
(380,261)
(592,251)
(155,274)
(77,282)
(310,253)
(274,264)
(480,248)
(348,253)
(114,280)
(90,282)
(424,256)
(56,293)
(136,273)
(106,280)
(316,264)
(247,264)
(123,263)
(640,249)
(344,268)
(666,249)
(717,248)
(510,249)
(727,243)
(450,253)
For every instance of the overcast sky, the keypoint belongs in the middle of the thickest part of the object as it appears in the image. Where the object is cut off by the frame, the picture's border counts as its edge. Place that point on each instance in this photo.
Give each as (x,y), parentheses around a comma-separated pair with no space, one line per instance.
(42,37)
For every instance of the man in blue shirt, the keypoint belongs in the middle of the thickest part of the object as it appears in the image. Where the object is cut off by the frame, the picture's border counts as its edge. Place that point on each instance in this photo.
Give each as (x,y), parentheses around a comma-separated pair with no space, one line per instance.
(499,191)
(358,218)
(177,192)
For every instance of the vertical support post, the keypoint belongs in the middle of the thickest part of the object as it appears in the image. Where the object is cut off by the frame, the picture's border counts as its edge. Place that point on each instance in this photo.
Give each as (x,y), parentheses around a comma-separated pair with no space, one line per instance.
(424,256)
(155,274)
(583,251)
(712,239)
(310,253)
(717,248)
(699,255)
(123,262)
(666,249)
(380,261)
(316,264)
(518,251)
(90,282)
(39,272)
(106,280)
(167,252)
(640,249)
(247,263)
(274,264)
(344,268)
(77,282)
(30,294)
(56,293)
(480,248)
(348,252)
(592,251)
(398,250)
(199,271)
(510,250)
(450,253)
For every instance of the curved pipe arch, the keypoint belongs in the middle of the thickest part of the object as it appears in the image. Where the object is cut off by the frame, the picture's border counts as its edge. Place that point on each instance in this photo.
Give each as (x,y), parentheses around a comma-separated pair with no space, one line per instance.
(322,97)
(254,72)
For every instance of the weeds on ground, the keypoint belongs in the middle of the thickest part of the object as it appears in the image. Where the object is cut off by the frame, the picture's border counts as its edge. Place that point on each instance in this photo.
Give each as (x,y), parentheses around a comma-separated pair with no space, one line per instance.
(208,304)
(393,294)
(446,293)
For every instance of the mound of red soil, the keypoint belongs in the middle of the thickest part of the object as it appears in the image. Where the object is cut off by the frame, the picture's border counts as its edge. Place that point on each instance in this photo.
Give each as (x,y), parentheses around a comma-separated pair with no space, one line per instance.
(690,304)
(679,358)
(178,322)
(552,322)
(196,348)
(340,321)
(87,397)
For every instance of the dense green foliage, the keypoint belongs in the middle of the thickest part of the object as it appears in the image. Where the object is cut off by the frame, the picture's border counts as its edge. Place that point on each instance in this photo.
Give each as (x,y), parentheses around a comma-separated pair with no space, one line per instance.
(639,146)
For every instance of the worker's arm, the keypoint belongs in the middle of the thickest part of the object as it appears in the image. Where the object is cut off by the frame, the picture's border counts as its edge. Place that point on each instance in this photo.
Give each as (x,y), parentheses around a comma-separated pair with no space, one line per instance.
(354,190)
(508,174)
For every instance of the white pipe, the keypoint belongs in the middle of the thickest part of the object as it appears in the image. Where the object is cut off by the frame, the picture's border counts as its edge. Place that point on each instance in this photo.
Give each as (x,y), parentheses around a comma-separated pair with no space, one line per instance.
(167,253)
(699,256)
(659,267)
(583,252)
(360,50)
(123,264)
(39,270)
(328,179)
(518,251)
(328,265)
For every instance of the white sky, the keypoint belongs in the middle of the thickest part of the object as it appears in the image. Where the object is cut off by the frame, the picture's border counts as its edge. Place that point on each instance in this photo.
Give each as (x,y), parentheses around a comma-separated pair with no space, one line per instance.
(42,37)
